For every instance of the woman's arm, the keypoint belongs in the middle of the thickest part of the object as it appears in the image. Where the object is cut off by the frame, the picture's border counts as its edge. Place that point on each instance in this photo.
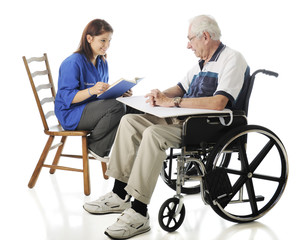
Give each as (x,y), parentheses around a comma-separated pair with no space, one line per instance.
(84,94)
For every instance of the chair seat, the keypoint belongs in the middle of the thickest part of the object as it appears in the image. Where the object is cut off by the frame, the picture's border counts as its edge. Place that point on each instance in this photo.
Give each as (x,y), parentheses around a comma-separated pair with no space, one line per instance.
(59,131)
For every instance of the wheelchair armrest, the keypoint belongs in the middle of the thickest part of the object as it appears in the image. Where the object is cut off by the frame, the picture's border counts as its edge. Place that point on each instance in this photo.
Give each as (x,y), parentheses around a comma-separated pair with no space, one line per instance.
(208,128)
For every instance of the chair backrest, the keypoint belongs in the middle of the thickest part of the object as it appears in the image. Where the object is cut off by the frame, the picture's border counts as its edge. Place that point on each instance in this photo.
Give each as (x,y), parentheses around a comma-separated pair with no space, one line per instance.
(242,102)
(41,81)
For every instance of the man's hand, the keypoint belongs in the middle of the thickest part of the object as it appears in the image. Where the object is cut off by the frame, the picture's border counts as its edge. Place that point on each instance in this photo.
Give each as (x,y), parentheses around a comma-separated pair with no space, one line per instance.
(157,98)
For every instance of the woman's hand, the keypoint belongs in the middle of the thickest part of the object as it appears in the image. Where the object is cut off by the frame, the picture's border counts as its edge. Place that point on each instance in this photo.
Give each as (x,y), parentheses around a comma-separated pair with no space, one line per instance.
(98,88)
(128,93)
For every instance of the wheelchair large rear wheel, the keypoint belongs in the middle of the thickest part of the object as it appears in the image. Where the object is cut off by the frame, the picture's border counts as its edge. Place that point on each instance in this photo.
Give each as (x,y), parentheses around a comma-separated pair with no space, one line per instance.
(257,170)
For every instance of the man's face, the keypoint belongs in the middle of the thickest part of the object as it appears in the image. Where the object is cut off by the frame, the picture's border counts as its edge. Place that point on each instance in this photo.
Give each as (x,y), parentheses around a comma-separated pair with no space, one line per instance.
(196,44)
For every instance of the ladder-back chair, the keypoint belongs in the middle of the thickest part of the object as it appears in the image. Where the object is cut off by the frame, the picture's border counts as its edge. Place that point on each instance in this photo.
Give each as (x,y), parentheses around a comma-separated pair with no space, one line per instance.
(44,92)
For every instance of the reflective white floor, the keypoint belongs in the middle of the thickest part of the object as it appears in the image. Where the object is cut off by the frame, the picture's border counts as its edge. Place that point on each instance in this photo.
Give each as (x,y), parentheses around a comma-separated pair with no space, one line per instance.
(53,209)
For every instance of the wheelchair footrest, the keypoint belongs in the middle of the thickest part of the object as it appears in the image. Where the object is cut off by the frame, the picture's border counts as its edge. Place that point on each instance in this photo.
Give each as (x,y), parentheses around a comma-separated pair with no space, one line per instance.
(258,198)
(193,178)
(218,186)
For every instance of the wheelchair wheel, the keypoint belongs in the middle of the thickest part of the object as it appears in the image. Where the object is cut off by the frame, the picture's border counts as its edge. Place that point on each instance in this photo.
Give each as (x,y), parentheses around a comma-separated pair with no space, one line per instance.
(188,187)
(257,170)
(166,218)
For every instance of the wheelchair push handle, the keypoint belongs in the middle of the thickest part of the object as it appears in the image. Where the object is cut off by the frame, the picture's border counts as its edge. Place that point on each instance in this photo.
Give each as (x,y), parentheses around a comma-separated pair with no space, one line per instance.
(267,72)
(271,73)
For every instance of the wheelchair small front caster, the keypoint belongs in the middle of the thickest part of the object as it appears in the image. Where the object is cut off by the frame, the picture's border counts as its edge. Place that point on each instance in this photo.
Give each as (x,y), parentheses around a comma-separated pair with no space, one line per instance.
(167,219)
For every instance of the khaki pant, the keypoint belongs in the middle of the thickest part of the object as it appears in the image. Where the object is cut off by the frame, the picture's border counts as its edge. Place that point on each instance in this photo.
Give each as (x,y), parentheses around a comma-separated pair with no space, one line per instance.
(139,151)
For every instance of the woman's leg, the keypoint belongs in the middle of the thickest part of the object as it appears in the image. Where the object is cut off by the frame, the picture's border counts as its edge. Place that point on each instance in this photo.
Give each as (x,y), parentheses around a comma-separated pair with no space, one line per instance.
(102,119)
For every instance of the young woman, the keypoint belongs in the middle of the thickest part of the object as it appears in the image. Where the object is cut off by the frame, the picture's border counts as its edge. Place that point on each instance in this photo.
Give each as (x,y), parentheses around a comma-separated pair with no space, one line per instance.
(82,76)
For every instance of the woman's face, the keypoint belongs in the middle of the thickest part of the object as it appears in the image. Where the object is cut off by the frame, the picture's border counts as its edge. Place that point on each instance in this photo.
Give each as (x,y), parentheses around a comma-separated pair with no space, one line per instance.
(99,44)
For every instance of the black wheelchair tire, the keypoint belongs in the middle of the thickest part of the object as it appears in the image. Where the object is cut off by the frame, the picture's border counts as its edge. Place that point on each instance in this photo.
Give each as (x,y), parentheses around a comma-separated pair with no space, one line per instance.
(273,141)
(169,216)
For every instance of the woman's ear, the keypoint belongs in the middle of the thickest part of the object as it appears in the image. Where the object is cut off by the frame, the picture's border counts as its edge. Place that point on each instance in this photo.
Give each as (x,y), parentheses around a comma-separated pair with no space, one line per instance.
(89,38)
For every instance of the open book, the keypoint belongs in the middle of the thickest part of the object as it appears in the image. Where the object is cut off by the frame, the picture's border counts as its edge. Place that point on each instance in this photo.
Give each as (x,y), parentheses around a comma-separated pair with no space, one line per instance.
(118,88)
(139,102)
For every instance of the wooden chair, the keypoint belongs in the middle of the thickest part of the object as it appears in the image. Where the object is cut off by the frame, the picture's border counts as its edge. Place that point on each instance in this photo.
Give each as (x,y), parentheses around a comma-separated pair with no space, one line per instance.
(46,89)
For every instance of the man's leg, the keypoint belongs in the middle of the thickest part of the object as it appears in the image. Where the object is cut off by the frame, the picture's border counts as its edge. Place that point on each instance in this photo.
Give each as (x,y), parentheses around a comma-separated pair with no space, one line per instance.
(123,154)
(149,160)
(156,139)
(127,142)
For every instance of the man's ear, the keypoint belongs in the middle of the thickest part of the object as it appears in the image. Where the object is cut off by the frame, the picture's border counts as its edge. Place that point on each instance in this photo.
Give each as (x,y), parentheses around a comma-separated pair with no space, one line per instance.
(89,38)
(206,35)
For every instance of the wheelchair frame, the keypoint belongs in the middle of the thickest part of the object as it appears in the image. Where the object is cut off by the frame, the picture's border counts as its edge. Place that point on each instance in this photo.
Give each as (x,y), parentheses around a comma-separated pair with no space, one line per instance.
(223,159)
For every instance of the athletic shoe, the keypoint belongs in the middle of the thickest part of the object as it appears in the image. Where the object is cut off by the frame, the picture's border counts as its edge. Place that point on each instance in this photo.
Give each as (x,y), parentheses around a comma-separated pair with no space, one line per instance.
(97,157)
(129,224)
(109,203)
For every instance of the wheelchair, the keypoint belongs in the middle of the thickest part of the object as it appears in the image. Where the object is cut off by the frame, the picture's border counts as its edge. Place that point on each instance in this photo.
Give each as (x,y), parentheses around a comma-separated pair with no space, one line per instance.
(240,170)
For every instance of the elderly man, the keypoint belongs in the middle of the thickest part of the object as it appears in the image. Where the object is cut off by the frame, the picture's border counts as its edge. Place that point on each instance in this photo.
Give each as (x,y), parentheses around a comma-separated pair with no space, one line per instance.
(142,139)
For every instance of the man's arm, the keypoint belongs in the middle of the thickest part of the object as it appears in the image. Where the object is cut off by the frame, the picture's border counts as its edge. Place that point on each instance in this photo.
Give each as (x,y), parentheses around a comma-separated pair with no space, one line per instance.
(217,102)
(158,98)
(172,92)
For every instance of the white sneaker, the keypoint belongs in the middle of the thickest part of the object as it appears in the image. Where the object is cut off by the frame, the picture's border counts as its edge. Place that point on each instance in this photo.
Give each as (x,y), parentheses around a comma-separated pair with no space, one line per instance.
(97,157)
(129,224)
(109,203)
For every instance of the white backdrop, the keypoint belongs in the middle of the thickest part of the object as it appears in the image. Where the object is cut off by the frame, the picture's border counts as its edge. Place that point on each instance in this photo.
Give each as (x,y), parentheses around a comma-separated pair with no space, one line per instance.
(150,39)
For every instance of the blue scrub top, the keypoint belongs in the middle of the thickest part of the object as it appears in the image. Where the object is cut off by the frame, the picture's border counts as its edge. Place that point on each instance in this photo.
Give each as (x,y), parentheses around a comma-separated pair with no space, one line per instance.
(76,73)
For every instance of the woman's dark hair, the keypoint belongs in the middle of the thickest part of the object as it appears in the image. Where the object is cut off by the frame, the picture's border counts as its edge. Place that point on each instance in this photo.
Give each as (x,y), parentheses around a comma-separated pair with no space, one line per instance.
(95,27)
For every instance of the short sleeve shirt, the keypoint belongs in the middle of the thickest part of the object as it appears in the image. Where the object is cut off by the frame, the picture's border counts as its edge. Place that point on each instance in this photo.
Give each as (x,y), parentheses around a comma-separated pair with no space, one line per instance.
(224,75)
(76,73)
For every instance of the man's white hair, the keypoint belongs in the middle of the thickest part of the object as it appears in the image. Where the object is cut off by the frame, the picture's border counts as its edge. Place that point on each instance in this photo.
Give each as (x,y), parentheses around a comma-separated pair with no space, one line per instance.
(205,23)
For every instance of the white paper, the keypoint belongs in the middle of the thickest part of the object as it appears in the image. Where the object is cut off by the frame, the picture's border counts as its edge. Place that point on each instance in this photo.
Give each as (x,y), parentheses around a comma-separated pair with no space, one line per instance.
(139,102)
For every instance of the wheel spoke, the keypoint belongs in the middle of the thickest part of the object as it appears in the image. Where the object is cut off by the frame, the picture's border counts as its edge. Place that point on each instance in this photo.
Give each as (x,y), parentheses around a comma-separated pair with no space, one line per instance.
(171,214)
(235,172)
(226,160)
(169,208)
(261,155)
(238,185)
(243,173)
(172,209)
(252,196)
(244,179)
(243,156)
(269,178)
(169,221)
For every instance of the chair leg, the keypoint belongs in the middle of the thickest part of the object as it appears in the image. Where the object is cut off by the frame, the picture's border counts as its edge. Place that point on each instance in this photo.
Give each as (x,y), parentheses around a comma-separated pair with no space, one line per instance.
(40,163)
(86,174)
(104,168)
(58,153)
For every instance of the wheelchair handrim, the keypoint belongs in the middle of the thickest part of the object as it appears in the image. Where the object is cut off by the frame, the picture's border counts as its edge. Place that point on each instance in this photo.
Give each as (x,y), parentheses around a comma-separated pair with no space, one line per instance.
(281,186)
